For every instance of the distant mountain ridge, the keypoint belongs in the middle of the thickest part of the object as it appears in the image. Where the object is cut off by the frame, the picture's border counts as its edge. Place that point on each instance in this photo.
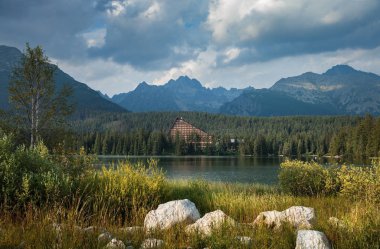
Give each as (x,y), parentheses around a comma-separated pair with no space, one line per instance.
(84,98)
(182,94)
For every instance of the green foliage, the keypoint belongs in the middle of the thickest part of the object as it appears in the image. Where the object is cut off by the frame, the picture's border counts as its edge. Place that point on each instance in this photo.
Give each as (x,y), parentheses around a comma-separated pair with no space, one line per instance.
(302,178)
(311,178)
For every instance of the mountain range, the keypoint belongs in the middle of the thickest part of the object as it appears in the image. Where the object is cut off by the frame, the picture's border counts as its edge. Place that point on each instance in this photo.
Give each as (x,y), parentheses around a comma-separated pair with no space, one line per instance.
(85,99)
(183,94)
(341,90)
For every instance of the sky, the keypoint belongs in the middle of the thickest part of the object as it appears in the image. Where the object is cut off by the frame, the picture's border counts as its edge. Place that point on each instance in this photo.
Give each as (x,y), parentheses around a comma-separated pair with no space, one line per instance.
(112,45)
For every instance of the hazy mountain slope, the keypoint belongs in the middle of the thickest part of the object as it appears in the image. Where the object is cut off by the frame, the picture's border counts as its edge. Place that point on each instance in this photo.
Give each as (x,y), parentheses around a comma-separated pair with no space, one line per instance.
(85,98)
(349,90)
(183,94)
(266,102)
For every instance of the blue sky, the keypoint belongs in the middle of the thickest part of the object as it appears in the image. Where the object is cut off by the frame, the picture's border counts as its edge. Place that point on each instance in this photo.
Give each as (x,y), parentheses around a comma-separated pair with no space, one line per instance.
(112,45)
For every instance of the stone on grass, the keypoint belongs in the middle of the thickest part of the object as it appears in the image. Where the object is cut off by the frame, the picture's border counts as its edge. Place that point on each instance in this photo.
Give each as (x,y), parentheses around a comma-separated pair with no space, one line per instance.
(271,219)
(115,244)
(131,230)
(310,239)
(244,240)
(335,222)
(152,243)
(104,237)
(210,221)
(170,214)
(300,217)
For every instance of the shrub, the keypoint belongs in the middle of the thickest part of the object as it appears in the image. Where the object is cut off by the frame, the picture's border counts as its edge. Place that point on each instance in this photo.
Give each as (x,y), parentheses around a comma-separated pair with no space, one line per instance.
(302,178)
(361,182)
(29,175)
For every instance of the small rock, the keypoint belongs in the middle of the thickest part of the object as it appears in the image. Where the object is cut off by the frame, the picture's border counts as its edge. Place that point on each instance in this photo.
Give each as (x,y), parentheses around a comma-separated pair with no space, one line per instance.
(310,239)
(300,217)
(104,237)
(152,243)
(244,240)
(131,230)
(171,213)
(90,229)
(335,222)
(115,244)
(271,219)
(210,221)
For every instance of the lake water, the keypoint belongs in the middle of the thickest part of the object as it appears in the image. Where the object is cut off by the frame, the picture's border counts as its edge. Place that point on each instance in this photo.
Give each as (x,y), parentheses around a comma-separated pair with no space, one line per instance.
(225,169)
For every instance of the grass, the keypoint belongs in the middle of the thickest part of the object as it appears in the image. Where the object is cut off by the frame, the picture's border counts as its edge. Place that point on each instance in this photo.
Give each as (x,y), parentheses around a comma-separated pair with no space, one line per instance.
(243,202)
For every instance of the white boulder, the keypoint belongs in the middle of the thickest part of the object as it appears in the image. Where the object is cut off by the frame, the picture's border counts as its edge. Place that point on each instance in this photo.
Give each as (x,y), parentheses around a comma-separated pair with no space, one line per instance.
(104,237)
(171,213)
(244,240)
(310,239)
(271,219)
(300,217)
(210,221)
(152,243)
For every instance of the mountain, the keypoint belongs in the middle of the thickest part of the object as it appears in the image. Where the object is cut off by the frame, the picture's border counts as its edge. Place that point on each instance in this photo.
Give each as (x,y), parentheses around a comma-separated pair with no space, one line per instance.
(183,94)
(340,90)
(84,98)
(350,91)
(264,102)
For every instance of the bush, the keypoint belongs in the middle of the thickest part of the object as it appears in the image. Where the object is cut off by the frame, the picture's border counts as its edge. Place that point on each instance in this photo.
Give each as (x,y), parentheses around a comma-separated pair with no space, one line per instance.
(29,175)
(361,182)
(310,178)
(302,178)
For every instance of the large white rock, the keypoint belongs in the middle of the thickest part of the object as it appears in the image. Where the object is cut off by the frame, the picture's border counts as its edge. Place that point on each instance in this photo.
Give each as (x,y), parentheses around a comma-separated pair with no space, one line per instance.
(271,219)
(300,217)
(210,221)
(171,213)
(152,243)
(310,239)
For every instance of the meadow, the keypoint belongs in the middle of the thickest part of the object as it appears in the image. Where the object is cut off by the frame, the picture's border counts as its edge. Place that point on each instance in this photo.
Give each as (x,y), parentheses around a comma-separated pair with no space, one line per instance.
(47,198)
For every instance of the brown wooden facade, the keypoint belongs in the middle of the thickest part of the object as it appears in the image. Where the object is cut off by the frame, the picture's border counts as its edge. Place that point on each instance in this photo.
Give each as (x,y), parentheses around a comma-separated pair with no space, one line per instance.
(189,133)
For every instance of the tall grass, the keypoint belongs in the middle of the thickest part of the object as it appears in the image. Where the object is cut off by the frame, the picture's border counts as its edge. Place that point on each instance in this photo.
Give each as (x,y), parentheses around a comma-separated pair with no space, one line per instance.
(39,190)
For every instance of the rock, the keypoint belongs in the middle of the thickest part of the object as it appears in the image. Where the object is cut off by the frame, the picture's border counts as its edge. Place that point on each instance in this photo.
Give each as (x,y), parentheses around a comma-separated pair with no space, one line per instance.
(271,219)
(104,237)
(210,221)
(115,244)
(300,217)
(310,239)
(244,240)
(335,222)
(152,243)
(171,213)
(131,230)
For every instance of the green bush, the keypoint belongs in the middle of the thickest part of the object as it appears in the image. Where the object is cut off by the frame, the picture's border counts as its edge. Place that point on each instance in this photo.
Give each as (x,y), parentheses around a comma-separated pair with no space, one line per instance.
(29,175)
(311,178)
(302,178)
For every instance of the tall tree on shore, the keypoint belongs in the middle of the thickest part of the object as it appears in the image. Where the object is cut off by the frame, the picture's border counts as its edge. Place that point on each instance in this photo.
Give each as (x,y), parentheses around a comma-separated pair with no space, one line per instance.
(32,93)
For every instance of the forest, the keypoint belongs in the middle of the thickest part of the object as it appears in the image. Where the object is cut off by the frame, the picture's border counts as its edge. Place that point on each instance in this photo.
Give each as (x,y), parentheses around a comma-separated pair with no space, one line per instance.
(354,138)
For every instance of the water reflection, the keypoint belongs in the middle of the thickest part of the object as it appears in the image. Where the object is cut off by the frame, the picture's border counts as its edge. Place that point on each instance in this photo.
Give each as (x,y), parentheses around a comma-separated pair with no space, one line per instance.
(225,169)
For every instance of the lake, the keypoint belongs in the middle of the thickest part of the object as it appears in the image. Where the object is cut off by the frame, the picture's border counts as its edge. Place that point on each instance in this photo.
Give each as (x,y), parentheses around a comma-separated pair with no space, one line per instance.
(214,168)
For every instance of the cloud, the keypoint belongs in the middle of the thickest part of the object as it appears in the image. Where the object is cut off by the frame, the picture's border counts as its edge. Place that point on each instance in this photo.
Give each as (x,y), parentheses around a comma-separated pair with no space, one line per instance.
(151,34)
(275,28)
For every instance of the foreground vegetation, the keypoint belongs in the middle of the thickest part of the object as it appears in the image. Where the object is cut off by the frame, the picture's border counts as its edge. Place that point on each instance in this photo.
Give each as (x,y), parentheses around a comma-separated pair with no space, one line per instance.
(39,189)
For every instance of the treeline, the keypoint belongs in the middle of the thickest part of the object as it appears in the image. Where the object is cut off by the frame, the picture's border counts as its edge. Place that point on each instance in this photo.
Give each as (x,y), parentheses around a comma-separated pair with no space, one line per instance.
(147,134)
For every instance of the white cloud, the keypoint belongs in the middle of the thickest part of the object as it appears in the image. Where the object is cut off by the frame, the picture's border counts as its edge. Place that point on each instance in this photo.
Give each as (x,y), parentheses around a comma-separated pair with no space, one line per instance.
(95,38)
